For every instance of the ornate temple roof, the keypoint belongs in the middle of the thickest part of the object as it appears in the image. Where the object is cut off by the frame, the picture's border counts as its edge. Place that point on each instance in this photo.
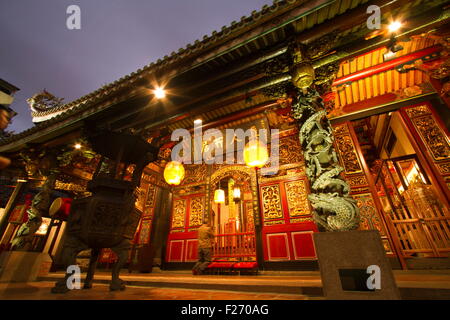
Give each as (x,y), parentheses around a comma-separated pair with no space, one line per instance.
(190,49)
(260,30)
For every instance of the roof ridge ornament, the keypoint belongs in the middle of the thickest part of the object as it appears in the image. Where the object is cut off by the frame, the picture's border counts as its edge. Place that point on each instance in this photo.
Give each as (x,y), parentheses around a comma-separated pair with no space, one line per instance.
(44,101)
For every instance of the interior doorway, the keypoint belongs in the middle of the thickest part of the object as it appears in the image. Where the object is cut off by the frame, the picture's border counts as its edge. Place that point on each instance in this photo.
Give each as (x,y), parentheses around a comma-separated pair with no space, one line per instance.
(410,201)
(232,214)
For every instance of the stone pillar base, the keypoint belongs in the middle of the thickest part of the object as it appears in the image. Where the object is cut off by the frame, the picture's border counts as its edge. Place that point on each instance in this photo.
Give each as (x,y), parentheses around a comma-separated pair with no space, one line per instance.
(347,260)
(22,266)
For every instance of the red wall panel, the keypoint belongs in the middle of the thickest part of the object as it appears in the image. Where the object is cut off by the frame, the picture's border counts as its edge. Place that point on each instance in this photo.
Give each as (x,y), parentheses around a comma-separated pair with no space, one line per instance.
(277,247)
(303,245)
(175,253)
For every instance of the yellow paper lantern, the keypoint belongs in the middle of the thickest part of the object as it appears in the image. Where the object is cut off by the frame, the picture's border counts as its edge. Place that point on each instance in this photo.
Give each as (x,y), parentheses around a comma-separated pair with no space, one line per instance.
(256,154)
(219,196)
(174,173)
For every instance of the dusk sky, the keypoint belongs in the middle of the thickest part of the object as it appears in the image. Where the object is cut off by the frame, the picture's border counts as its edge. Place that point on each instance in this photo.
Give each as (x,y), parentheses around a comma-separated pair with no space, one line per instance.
(116,38)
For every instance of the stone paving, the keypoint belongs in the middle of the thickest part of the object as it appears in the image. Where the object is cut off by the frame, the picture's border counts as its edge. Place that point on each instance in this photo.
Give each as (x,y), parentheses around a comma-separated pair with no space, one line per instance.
(41,291)
(432,284)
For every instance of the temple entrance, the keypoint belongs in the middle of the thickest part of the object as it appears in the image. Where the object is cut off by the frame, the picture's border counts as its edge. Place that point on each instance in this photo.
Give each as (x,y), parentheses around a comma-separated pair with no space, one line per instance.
(413,203)
(232,214)
(232,219)
(421,221)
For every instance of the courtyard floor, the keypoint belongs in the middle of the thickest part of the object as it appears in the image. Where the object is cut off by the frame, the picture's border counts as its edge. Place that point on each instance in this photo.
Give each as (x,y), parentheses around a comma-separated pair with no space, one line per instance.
(430,284)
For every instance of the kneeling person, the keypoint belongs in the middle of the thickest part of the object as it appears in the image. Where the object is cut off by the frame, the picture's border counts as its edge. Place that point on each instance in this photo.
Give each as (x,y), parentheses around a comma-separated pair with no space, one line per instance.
(205,244)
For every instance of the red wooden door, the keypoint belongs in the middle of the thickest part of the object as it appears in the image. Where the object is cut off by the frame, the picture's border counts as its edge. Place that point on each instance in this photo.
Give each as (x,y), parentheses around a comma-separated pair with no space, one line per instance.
(287,222)
(187,214)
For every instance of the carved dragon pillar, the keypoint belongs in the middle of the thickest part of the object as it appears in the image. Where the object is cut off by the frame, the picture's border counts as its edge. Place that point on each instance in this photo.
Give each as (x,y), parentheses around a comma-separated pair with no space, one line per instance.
(334,209)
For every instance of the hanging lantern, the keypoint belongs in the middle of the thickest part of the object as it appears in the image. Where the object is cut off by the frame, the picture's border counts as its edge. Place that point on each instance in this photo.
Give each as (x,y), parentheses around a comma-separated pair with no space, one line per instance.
(255,154)
(219,196)
(236,194)
(174,173)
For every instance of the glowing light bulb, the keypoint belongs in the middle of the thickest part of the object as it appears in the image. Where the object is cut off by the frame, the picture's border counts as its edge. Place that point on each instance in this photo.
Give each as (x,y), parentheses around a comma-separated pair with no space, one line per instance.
(77,146)
(394,26)
(159,93)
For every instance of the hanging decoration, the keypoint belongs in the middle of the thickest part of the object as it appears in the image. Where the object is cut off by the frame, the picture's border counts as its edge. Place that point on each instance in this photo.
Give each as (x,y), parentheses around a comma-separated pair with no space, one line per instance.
(256,154)
(219,196)
(174,173)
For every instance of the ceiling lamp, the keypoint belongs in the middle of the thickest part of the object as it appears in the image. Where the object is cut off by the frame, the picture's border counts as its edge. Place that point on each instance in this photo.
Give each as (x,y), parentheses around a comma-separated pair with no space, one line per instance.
(256,154)
(392,46)
(394,26)
(174,173)
(160,93)
(219,196)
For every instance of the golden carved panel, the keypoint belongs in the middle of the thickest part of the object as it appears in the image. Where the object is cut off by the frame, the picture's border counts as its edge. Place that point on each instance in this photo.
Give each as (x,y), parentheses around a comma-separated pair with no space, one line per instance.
(196,212)
(195,174)
(179,213)
(271,202)
(370,219)
(250,226)
(417,111)
(444,168)
(290,150)
(433,137)
(297,198)
(340,129)
(149,203)
(348,154)
(359,180)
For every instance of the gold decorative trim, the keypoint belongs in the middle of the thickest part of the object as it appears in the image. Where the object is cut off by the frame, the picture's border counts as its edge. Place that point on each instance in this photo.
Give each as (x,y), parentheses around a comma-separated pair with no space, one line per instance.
(272,223)
(359,190)
(417,111)
(59,185)
(281,178)
(434,138)
(301,220)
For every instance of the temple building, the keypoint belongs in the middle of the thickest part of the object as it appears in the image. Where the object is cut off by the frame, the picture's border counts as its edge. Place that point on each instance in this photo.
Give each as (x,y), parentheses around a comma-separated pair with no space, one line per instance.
(354,95)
